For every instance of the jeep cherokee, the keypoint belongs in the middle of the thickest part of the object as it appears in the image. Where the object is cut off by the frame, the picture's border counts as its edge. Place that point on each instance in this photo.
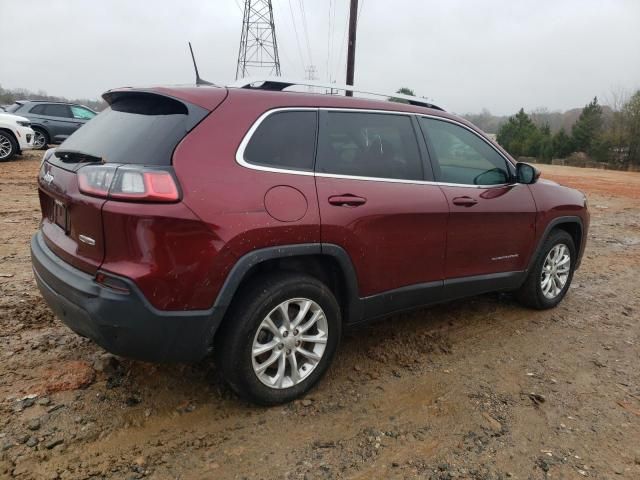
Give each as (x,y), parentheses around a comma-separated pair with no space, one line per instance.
(256,223)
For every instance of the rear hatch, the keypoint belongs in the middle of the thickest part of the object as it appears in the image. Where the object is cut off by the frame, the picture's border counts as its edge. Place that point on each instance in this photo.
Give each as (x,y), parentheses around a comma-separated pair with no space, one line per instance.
(137,133)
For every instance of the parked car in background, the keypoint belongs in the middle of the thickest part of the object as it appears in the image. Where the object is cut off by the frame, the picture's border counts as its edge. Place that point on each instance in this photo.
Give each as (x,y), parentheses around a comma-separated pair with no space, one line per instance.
(15,135)
(52,122)
(256,224)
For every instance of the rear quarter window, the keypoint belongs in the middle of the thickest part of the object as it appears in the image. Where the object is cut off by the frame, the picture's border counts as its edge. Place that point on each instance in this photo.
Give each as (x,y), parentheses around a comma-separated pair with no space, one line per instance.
(38,109)
(284,140)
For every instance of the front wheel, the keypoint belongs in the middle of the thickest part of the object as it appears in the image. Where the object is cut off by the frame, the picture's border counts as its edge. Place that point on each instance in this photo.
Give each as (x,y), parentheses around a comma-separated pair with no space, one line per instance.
(551,274)
(8,146)
(279,338)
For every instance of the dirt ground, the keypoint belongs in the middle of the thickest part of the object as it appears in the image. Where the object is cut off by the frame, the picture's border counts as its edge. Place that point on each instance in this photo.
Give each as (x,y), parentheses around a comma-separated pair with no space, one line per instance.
(476,389)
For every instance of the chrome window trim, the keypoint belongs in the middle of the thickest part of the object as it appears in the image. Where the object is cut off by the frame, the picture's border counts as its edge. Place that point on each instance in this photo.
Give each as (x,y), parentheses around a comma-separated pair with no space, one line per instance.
(435,117)
(245,141)
(247,137)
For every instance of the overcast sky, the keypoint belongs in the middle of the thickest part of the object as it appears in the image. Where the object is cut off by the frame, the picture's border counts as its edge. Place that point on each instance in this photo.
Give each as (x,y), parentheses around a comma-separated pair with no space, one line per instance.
(464,55)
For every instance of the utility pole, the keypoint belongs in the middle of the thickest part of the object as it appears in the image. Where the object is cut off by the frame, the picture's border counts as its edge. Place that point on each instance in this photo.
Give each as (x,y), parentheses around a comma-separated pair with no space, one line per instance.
(351,46)
(258,45)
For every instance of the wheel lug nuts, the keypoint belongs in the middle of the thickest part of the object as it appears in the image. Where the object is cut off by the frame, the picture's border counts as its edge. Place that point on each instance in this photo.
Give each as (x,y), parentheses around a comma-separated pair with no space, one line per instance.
(280,346)
(285,334)
(288,352)
(298,343)
(296,332)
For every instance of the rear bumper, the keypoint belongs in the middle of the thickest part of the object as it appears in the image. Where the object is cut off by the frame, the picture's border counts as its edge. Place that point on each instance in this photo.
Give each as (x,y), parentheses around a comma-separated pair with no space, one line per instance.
(123,324)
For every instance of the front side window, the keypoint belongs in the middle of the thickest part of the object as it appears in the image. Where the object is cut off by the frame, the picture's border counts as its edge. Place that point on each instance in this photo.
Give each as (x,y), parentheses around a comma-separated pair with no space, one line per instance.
(82,113)
(56,110)
(463,157)
(284,140)
(376,145)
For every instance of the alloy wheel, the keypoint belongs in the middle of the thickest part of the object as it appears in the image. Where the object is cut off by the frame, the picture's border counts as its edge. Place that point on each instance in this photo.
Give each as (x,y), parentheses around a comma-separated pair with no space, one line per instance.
(289,343)
(5,147)
(39,140)
(555,271)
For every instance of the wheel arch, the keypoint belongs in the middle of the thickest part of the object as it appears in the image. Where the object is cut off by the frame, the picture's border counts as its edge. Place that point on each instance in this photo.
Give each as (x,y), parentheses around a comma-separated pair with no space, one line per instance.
(573,225)
(39,126)
(328,263)
(10,132)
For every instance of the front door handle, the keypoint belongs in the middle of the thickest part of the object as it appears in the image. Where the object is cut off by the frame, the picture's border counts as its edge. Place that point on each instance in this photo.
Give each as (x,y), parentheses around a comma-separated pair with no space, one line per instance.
(347,200)
(465,201)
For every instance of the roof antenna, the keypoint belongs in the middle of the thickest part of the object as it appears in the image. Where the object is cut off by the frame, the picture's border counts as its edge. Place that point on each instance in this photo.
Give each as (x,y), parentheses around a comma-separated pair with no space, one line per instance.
(199,81)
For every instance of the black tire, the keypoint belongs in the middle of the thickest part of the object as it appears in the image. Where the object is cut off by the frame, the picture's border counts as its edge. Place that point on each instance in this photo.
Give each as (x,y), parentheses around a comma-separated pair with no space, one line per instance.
(47,140)
(234,341)
(531,294)
(8,146)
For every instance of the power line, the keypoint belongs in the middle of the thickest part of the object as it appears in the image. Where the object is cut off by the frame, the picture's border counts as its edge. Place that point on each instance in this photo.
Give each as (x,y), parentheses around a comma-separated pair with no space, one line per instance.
(329,36)
(295,29)
(359,12)
(305,29)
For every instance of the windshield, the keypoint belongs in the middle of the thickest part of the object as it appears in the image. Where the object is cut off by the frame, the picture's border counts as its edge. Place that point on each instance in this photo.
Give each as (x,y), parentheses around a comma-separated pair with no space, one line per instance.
(138,128)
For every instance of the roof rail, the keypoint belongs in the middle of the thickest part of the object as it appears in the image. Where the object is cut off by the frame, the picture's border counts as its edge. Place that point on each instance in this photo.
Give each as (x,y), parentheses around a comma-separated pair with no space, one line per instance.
(280,83)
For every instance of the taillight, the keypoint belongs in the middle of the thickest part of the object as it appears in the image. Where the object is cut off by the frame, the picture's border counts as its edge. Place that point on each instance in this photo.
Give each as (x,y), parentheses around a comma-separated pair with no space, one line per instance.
(128,183)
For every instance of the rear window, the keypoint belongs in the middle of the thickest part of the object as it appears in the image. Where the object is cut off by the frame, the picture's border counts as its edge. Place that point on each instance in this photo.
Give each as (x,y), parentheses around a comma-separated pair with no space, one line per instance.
(284,140)
(138,128)
(55,110)
(369,145)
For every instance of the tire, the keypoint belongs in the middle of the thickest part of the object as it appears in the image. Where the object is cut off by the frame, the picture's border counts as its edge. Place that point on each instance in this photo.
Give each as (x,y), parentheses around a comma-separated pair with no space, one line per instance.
(244,329)
(40,135)
(532,294)
(8,146)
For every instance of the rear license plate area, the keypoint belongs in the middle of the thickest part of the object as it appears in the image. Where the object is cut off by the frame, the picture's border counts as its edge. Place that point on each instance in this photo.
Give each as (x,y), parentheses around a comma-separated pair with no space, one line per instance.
(60,215)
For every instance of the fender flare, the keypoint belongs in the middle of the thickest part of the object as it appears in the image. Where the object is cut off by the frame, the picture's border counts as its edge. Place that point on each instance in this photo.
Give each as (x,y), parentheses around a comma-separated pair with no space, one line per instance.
(245,263)
(550,226)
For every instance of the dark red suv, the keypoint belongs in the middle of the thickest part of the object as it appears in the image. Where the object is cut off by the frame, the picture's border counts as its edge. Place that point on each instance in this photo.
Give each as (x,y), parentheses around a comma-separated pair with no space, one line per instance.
(256,223)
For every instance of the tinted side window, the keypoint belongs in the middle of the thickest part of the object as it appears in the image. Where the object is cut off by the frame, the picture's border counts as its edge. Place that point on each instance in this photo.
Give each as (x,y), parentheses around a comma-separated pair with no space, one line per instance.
(54,110)
(284,140)
(463,157)
(38,109)
(369,145)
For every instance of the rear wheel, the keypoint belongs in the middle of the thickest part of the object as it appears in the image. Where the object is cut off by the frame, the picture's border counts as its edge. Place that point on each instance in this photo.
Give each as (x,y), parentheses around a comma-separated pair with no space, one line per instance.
(41,139)
(552,272)
(279,338)
(8,146)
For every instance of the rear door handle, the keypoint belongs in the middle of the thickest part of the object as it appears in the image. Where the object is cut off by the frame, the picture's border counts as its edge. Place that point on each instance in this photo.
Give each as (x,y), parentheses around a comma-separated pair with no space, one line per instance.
(347,200)
(465,201)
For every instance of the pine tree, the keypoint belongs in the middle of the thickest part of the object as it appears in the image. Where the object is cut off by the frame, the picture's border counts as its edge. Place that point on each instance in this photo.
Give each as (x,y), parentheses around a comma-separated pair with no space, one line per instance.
(586,130)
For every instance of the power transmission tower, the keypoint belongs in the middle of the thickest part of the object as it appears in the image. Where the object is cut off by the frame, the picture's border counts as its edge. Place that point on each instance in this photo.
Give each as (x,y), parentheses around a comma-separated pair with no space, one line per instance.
(258,46)
(310,75)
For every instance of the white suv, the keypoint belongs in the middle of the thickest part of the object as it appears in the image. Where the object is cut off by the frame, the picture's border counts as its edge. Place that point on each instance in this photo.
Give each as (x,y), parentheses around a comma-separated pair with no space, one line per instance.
(15,135)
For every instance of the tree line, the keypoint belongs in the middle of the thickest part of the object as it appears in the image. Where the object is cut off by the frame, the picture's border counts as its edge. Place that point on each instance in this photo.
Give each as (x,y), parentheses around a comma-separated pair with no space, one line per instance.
(614,140)
(9,96)
(606,134)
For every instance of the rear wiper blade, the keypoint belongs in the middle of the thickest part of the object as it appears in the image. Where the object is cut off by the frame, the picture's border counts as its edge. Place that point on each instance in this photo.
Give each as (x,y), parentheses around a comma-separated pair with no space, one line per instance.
(69,156)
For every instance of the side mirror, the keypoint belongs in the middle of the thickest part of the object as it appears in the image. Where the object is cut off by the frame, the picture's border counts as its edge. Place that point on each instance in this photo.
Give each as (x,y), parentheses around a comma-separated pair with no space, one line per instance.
(526,173)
